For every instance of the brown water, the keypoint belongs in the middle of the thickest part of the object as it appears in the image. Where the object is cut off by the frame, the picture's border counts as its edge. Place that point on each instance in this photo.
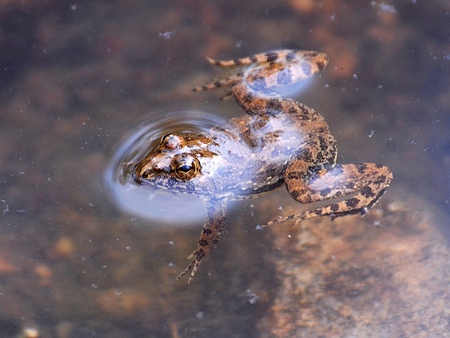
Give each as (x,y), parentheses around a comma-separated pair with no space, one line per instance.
(77,78)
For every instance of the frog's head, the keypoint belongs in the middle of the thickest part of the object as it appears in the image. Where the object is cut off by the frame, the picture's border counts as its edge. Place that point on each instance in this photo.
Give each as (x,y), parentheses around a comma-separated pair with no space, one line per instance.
(174,165)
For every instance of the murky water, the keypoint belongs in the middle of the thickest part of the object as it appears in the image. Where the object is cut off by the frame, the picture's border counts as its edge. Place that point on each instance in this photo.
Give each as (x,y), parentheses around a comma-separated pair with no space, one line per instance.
(86,86)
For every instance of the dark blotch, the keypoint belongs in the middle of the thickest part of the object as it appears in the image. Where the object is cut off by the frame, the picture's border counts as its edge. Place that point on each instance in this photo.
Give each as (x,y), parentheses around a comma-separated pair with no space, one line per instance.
(201,254)
(207,231)
(334,207)
(274,106)
(295,194)
(380,179)
(361,167)
(367,192)
(320,65)
(271,57)
(352,202)
(248,98)
(203,242)
(293,175)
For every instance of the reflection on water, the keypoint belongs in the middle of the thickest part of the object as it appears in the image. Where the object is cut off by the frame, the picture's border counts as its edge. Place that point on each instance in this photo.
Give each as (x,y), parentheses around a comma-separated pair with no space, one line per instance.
(146,200)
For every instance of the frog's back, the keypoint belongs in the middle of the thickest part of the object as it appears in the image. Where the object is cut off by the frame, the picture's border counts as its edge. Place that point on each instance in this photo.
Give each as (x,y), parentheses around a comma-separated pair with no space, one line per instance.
(253,153)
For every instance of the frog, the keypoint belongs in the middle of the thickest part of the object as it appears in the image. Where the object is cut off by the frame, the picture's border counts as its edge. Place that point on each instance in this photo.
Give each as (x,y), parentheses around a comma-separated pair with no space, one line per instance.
(278,141)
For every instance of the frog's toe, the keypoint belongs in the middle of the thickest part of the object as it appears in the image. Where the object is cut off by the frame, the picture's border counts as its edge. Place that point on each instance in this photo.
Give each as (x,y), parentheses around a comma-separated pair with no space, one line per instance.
(197,257)
(226,96)
(188,268)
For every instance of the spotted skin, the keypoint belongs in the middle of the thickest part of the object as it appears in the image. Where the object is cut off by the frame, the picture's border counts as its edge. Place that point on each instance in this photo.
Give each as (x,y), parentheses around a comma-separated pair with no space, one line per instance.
(279,141)
(271,70)
(284,55)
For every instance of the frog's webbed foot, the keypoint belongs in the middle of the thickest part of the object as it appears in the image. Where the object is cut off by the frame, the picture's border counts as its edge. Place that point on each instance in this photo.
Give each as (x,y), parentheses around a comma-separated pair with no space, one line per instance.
(197,257)
(209,237)
(360,184)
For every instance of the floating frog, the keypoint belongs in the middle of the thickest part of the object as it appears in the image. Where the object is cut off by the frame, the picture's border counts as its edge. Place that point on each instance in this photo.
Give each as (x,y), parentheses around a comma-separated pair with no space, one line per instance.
(279,141)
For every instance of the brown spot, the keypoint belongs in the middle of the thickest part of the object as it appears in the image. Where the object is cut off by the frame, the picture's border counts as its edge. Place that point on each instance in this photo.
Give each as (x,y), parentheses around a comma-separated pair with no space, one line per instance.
(380,179)
(352,202)
(334,207)
(207,231)
(320,64)
(367,192)
(275,106)
(350,185)
(203,242)
(200,254)
(272,57)
(295,194)
(361,167)
(248,98)
(293,175)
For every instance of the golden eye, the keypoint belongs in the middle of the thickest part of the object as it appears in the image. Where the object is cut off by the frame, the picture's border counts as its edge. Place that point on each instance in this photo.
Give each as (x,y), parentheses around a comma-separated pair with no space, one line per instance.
(187,167)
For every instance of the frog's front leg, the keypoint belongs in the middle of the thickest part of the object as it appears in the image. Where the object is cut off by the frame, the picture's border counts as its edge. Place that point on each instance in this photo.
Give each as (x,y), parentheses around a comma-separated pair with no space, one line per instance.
(362,183)
(210,235)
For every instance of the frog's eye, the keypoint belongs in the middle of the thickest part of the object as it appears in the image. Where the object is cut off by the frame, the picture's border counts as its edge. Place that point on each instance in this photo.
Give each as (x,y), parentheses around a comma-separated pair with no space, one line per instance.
(172,141)
(187,167)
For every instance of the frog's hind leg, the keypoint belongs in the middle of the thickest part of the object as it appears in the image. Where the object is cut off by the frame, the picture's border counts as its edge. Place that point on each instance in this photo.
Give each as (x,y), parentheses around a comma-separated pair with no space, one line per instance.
(360,185)
(272,56)
(209,237)
(228,82)
(240,65)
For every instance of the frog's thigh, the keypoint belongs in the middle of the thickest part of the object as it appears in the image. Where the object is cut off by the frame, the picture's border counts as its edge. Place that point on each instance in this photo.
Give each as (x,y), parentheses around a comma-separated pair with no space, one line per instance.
(362,183)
